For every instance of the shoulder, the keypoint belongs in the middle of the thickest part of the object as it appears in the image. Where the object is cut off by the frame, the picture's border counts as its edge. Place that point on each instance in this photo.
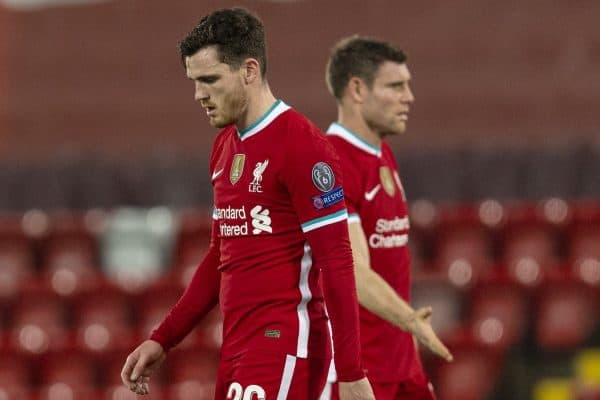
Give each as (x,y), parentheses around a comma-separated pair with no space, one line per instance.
(304,136)
(388,153)
(342,147)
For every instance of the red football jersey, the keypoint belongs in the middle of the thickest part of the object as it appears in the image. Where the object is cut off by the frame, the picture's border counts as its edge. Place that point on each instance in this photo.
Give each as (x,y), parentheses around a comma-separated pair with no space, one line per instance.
(375,197)
(279,223)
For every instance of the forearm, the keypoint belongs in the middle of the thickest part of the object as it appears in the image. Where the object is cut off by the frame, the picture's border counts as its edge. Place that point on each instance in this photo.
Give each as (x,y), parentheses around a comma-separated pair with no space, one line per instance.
(374,293)
(343,313)
(377,296)
(335,260)
(199,298)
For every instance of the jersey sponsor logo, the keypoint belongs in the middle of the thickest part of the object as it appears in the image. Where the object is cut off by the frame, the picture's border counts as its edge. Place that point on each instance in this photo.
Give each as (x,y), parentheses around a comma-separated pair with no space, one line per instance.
(322,176)
(328,199)
(385,235)
(261,222)
(377,241)
(234,221)
(386,180)
(370,195)
(259,169)
(237,168)
(216,174)
(230,213)
(389,225)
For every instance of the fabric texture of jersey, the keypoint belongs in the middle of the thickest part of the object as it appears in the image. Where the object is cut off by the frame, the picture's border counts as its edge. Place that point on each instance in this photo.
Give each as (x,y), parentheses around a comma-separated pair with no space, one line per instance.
(417,388)
(375,198)
(279,224)
(262,375)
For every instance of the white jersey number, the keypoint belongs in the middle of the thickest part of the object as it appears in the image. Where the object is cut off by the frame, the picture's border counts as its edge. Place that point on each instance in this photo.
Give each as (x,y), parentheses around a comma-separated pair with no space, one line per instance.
(237,392)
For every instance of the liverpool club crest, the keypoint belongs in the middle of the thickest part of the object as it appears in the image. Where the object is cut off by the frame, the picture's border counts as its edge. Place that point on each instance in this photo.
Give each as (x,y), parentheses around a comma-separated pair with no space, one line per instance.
(255,186)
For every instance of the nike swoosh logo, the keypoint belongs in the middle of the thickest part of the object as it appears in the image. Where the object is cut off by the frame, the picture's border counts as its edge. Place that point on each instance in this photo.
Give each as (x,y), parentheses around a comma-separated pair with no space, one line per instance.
(216,174)
(370,195)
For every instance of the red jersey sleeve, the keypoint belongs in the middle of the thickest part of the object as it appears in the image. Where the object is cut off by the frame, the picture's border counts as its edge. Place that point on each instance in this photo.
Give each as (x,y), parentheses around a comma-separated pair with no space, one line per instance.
(201,295)
(314,182)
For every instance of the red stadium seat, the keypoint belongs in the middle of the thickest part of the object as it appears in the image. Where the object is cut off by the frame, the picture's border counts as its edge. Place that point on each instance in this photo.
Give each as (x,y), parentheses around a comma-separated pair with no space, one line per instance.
(470,376)
(582,245)
(192,375)
(419,257)
(190,254)
(69,267)
(17,256)
(445,299)
(192,243)
(498,315)
(17,265)
(463,249)
(67,376)
(39,322)
(567,314)
(529,252)
(15,393)
(103,320)
(195,223)
(15,377)
(69,251)
(531,239)
(154,303)
(587,392)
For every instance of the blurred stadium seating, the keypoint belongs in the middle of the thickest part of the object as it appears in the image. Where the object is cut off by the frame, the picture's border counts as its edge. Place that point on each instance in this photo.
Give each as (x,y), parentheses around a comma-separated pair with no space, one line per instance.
(104,188)
(491,313)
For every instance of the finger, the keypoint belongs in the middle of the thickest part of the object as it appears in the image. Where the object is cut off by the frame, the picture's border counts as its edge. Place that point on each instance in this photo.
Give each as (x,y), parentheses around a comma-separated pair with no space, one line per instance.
(425,312)
(442,350)
(448,356)
(127,369)
(141,389)
(146,388)
(138,368)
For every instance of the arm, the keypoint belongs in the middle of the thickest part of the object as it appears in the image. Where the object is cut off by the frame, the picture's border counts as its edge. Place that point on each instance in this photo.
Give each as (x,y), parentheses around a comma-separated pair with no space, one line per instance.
(316,173)
(198,299)
(339,289)
(377,296)
(201,295)
(330,248)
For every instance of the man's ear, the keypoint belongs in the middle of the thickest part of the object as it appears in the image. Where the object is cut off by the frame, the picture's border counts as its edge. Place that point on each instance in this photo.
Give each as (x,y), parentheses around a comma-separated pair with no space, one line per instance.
(250,70)
(356,89)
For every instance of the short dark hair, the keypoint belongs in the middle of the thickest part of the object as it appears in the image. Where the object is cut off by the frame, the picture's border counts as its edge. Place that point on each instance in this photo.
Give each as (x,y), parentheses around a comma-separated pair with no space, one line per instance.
(357,56)
(236,33)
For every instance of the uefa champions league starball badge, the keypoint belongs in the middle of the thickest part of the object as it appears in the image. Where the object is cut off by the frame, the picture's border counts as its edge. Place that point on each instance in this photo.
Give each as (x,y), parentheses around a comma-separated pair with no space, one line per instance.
(322,176)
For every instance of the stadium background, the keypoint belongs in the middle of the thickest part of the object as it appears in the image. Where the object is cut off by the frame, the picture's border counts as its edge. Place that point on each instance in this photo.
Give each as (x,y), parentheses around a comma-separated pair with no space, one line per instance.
(104,184)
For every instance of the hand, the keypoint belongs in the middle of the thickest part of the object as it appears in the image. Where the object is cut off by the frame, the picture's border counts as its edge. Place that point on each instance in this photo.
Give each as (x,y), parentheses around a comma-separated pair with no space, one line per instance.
(140,364)
(356,390)
(420,326)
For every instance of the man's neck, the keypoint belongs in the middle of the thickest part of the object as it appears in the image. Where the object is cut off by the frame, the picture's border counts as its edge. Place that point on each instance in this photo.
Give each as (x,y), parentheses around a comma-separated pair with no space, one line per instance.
(353,121)
(258,104)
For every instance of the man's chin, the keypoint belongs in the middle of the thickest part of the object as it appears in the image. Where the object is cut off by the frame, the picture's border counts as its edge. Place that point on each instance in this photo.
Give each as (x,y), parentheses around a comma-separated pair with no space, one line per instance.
(215,123)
